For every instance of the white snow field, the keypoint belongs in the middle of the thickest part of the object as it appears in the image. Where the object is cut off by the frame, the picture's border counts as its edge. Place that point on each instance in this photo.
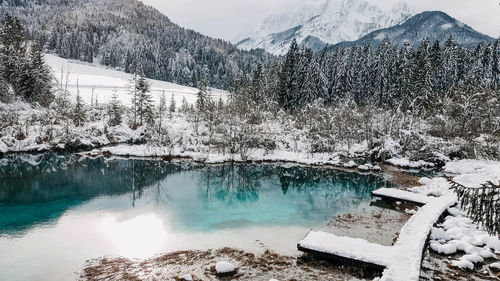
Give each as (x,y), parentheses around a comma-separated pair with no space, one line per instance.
(104,82)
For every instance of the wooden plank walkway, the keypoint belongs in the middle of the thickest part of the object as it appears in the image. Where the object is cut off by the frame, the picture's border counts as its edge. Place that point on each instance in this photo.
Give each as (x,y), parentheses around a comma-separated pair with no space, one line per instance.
(403,260)
(392,195)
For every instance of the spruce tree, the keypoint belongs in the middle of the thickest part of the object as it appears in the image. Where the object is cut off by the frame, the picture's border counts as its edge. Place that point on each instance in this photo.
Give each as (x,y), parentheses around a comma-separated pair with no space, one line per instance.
(287,80)
(450,65)
(383,79)
(202,98)
(404,79)
(172,106)
(5,92)
(115,111)
(79,111)
(144,100)
(13,53)
(422,80)
(495,65)
(309,72)
(184,105)
(40,87)
(132,88)
(436,66)
(162,108)
(257,84)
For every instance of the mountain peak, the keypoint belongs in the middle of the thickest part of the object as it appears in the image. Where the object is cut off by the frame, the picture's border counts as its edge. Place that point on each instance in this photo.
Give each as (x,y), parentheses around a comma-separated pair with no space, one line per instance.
(323,21)
(431,25)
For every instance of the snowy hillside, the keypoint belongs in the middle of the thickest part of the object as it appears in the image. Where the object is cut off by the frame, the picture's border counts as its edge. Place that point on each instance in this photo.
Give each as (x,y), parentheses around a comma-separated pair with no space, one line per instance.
(316,22)
(104,82)
(431,25)
(126,33)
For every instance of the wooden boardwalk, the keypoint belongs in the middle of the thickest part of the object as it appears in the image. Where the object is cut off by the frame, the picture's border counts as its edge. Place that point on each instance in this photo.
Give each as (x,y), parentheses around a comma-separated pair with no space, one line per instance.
(400,262)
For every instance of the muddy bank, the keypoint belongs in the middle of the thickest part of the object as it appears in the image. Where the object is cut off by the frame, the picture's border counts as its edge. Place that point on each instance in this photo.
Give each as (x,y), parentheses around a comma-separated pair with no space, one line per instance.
(379,225)
(200,265)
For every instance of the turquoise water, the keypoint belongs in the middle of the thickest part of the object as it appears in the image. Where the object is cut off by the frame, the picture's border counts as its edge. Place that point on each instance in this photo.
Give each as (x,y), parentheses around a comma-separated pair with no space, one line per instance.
(63,209)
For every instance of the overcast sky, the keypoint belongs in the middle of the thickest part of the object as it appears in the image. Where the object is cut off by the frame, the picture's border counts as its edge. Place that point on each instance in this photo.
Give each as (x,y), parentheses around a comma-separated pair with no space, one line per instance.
(229,19)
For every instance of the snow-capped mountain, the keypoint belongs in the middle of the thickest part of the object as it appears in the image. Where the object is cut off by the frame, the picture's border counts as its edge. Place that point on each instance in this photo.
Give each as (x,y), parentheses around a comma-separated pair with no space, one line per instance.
(315,23)
(431,25)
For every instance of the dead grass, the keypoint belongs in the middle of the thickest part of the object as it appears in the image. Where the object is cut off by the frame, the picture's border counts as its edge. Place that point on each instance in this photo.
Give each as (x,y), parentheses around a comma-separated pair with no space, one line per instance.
(200,265)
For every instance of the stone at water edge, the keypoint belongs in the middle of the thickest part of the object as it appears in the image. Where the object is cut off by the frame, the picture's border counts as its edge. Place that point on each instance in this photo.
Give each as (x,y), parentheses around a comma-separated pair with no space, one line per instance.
(224,267)
(186,277)
(495,267)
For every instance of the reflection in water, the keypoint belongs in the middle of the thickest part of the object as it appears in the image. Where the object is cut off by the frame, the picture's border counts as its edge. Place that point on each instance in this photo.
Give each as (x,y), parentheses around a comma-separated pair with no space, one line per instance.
(234,184)
(59,210)
(135,237)
(37,190)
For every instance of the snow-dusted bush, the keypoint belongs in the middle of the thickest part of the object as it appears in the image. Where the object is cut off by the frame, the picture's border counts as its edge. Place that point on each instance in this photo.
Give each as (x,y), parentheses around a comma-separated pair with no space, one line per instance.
(482,204)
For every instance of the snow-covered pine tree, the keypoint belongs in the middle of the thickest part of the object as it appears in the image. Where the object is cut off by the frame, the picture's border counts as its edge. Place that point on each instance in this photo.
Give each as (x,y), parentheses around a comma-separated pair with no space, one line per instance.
(474,77)
(184,105)
(13,53)
(257,85)
(422,80)
(5,91)
(383,76)
(40,89)
(144,103)
(172,105)
(115,111)
(344,75)
(495,65)
(436,66)
(404,78)
(287,80)
(220,104)
(361,89)
(450,64)
(132,89)
(309,75)
(162,108)
(320,80)
(202,97)
(79,110)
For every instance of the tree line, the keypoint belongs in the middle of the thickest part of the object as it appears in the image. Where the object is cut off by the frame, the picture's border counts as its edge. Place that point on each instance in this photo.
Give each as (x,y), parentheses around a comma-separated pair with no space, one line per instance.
(23,72)
(389,76)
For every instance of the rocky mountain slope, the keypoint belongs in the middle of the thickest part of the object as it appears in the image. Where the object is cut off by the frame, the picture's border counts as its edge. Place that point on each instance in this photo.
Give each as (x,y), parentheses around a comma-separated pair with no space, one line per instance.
(431,25)
(315,23)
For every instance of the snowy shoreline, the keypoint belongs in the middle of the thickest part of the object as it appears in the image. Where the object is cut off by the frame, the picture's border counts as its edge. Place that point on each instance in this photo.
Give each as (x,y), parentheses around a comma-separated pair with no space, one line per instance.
(455,232)
(320,160)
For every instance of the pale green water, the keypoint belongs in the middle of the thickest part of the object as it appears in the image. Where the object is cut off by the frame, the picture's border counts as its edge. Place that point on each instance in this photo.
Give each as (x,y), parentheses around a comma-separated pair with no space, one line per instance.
(65,210)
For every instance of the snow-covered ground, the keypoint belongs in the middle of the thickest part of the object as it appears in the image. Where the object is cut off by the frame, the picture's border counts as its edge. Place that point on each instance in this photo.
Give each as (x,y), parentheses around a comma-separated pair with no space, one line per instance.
(456,233)
(473,173)
(104,82)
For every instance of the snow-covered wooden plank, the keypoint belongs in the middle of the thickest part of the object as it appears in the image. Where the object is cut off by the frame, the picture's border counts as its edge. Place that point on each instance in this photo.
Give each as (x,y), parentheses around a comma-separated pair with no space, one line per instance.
(346,247)
(410,245)
(401,261)
(394,194)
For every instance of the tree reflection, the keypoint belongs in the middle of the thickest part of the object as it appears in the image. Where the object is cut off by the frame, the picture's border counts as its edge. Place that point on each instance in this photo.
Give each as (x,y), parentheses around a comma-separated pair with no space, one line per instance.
(229,183)
(39,188)
(242,183)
